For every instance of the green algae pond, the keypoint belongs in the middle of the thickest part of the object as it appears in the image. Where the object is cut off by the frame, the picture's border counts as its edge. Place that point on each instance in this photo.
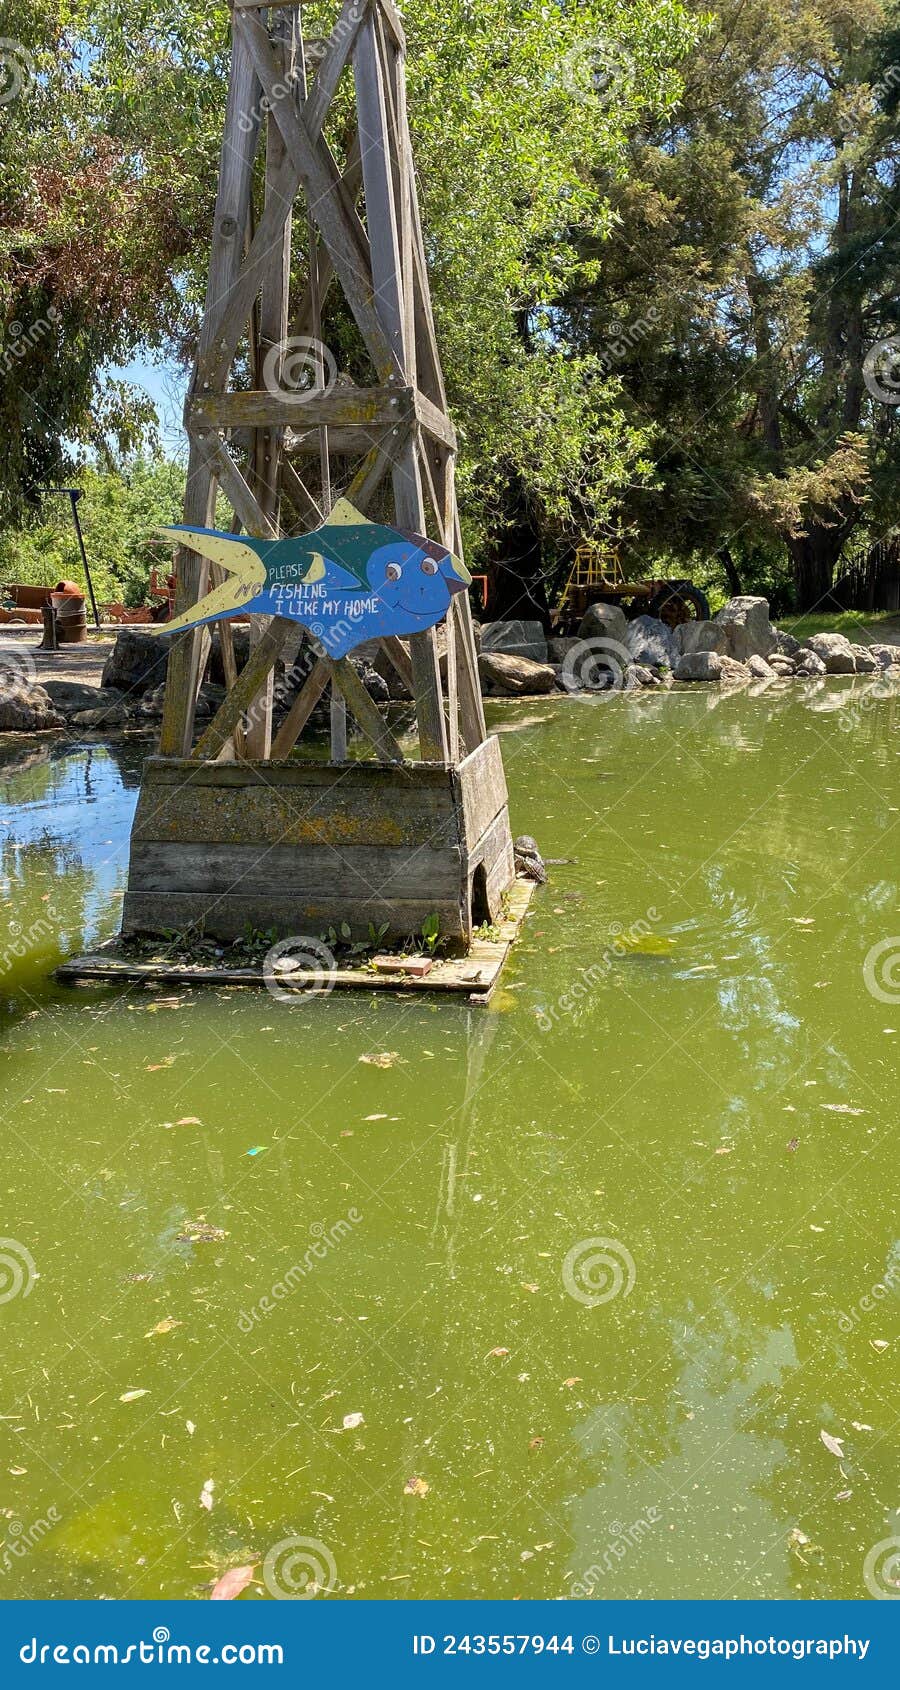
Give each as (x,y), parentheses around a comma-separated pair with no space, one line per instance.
(593,1291)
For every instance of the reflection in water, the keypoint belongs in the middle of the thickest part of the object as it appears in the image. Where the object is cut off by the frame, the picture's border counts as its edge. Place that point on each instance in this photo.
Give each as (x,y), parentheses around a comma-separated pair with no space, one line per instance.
(714,1106)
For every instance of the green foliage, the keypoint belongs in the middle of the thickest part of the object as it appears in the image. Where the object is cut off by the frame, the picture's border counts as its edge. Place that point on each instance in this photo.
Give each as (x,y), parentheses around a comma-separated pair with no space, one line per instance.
(520,116)
(119,514)
(756,243)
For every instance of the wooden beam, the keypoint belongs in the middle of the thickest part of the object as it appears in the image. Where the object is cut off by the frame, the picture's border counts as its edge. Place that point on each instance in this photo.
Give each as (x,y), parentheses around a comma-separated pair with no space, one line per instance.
(339,407)
(301,709)
(366,712)
(251,679)
(236,489)
(321,181)
(187,658)
(434,421)
(228,321)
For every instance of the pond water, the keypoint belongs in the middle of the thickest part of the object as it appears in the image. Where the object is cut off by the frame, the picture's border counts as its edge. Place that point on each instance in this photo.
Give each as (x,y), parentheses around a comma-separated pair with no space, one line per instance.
(560,1299)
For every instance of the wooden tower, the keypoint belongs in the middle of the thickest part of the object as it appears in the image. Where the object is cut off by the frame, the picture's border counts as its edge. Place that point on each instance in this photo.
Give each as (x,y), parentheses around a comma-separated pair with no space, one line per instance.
(232,829)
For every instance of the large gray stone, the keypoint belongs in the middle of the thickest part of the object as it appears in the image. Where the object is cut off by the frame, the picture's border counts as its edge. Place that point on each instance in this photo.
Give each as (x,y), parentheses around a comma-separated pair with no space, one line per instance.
(701,636)
(26,708)
(698,666)
(137,662)
(888,656)
(809,663)
(68,697)
(502,672)
(835,652)
(748,629)
(785,644)
(759,668)
(515,639)
(652,642)
(866,661)
(604,622)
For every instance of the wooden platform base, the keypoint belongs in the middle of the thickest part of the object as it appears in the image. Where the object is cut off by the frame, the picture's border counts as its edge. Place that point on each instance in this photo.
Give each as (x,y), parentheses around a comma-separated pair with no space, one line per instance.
(473,976)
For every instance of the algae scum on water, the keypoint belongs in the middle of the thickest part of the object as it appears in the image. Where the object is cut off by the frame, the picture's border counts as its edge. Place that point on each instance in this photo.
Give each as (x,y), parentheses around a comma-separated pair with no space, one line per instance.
(575,1295)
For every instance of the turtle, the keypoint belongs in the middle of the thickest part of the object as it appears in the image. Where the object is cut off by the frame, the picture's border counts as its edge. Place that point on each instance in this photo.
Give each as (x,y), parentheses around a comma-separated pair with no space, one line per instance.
(529,861)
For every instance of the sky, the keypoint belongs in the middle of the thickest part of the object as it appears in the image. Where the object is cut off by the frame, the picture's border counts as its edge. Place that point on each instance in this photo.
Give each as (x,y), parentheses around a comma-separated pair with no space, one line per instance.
(166,386)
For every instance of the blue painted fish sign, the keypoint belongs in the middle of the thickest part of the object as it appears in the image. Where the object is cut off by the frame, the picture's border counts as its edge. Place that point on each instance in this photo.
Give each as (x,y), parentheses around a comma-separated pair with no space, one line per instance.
(348,581)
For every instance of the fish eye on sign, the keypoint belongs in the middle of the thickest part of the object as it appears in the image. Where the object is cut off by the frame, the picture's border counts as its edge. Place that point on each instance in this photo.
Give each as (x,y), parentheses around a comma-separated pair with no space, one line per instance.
(348,581)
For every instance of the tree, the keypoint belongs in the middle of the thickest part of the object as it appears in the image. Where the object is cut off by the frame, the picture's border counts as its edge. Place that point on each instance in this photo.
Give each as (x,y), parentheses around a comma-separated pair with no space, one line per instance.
(755,246)
(109,171)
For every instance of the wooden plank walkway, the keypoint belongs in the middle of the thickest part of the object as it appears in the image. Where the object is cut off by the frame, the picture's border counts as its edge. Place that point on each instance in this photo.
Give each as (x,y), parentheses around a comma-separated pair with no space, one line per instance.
(474,976)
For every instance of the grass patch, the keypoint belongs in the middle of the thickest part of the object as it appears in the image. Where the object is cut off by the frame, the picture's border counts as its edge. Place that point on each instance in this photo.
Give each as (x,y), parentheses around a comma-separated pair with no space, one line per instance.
(854,623)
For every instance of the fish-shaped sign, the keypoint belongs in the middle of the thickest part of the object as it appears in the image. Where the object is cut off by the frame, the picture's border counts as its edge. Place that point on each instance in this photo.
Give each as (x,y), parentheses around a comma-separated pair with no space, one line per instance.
(348,581)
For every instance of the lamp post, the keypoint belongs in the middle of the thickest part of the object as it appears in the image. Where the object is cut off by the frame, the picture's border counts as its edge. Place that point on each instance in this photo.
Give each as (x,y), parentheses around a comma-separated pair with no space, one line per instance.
(74,494)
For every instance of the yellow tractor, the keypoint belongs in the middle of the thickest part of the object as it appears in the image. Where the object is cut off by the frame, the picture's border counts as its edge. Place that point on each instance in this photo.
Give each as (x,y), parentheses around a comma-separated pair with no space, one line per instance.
(597,577)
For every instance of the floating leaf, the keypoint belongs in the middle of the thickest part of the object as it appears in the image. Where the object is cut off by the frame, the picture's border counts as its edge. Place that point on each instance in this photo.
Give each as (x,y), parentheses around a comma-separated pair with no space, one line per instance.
(860,1426)
(499,1351)
(879,1344)
(231,1584)
(576,1379)
(191,1428)
(351,1421)
(154,1067)
(841,1109)
(167,1325)
(381,1058)
(833,1445)
(189,1121)
(374,1117)
(200,1232)
(793,1144)
(206,1496)
(416,1487)
(131,1396)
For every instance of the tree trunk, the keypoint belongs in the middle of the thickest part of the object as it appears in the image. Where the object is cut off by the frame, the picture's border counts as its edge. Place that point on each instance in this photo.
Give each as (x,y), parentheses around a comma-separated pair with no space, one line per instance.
(814,557)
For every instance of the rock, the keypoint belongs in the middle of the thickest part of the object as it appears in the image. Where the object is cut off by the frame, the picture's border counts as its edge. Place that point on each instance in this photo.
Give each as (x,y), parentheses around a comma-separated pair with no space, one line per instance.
(733,673)
(515,639)
(701,636)
(137,661)
(866,661)
(639,675)
(26,709)
(748,629)
(240,639)
(69,697)
(834,651)
(698,666)
(785,644)
(781,665)
(888,656)
(651,642)
(376,686)
(503,673)
(810,664)
(604,622)
(558,649)
(102,716)
(760,669)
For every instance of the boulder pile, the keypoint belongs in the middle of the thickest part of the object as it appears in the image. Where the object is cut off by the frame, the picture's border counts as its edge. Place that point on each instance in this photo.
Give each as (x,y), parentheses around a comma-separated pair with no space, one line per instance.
(610,653)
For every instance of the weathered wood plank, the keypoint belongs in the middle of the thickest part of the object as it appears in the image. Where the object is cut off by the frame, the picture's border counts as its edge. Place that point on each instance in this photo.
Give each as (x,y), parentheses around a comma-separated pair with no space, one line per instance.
(356,872)
(366,713)
(322,184)
(341,407)
(480,784)
(434,421)
(228,915)
(252,677)
(301,709)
